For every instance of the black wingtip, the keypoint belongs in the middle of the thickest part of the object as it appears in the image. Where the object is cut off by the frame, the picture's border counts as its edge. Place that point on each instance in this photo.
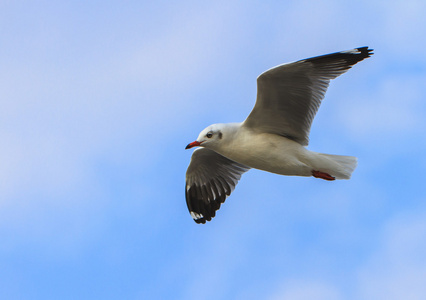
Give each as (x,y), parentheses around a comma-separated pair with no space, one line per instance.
(201,210)
(200,221)
(355,55)
(365,51)
(340,61)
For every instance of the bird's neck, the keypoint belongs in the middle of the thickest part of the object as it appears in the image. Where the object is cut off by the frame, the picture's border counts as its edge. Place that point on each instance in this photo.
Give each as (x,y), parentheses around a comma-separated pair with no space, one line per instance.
(231,129)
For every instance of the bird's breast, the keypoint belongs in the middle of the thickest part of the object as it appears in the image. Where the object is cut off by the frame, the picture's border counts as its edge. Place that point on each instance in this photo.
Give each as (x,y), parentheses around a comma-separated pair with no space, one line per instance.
(268,152)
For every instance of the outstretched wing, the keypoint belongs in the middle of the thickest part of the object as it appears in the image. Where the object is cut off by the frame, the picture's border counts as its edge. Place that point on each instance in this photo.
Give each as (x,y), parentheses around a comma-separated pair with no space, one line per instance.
(289,95)
(210,178)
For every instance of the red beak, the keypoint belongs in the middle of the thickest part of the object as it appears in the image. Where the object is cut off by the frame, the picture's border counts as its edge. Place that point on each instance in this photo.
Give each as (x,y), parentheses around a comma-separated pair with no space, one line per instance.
(193,144)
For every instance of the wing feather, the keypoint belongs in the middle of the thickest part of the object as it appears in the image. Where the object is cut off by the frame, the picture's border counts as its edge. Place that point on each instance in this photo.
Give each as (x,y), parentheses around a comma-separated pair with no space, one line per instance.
(289,95)
(210,178)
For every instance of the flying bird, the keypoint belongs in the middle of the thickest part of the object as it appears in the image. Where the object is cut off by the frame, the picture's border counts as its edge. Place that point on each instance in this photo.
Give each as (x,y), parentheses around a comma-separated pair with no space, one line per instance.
(274,135)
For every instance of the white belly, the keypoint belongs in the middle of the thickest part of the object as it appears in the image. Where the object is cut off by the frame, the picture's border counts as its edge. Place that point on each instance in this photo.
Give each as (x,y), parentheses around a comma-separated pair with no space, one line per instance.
(270,153)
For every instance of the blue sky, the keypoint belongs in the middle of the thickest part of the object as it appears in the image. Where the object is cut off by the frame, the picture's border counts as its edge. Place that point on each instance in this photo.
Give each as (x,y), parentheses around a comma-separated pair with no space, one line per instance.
(98,101)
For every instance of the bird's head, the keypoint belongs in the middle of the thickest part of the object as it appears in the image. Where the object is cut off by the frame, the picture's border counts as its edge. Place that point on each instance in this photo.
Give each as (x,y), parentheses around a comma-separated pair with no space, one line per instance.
(209,137)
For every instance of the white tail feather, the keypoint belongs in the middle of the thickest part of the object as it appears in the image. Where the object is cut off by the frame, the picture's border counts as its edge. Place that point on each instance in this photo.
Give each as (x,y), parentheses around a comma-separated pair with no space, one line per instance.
(338,166)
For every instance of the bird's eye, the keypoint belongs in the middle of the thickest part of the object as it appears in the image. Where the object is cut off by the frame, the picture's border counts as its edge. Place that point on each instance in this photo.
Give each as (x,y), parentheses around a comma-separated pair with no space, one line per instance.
(209,135)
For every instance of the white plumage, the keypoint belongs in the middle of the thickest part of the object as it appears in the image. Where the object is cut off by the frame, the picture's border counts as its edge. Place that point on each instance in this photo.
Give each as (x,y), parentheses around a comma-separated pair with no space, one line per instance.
(274,135)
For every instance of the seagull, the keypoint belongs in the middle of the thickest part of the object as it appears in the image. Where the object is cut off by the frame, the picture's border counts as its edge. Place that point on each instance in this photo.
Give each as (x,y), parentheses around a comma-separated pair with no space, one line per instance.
(273,137)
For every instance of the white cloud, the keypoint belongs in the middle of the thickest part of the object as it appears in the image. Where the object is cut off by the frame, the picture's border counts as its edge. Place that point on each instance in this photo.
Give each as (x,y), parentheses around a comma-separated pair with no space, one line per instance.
(67,108)
(402,28)
(305,290)
(397,270)
(392,109)
(56,119)
(59,120)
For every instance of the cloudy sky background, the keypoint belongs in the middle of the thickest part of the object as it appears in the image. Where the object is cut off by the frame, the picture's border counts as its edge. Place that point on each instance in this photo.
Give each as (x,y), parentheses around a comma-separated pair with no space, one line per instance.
(98,100)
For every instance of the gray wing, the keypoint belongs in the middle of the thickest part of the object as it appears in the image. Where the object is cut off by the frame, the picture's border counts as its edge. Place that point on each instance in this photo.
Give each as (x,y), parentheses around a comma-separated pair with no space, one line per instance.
(289,95)
(210,178)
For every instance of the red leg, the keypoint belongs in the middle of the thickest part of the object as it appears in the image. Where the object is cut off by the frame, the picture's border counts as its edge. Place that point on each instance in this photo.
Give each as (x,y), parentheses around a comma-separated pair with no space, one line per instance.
(322,175)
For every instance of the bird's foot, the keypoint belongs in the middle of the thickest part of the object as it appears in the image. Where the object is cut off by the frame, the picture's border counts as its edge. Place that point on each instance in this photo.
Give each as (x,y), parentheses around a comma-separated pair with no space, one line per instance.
(322,175)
